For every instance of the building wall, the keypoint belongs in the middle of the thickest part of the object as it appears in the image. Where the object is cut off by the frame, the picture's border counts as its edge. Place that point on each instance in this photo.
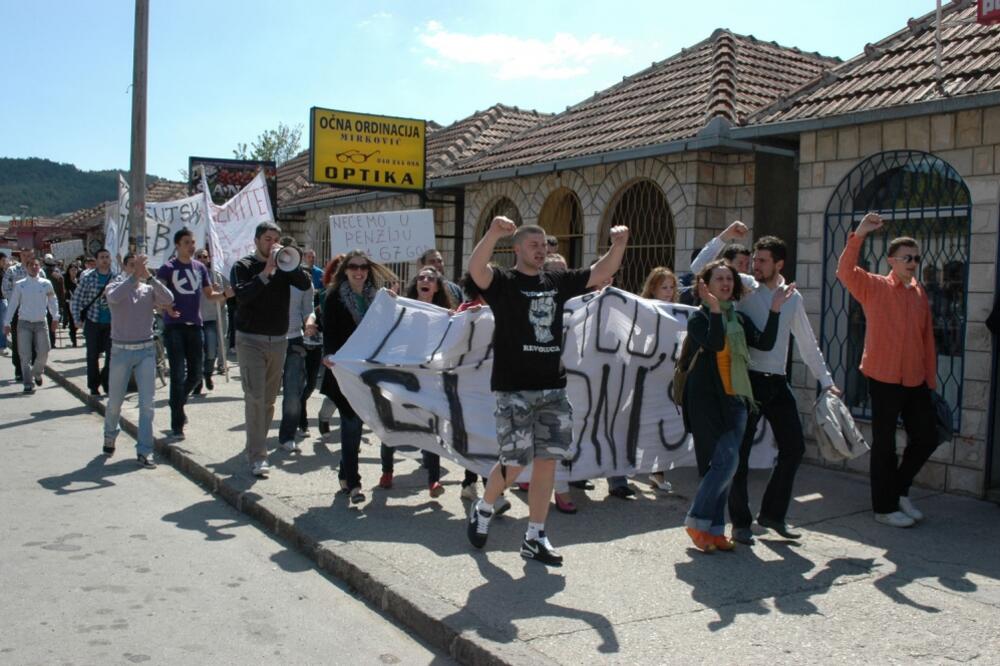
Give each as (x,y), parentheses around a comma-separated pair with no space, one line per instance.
(970,142)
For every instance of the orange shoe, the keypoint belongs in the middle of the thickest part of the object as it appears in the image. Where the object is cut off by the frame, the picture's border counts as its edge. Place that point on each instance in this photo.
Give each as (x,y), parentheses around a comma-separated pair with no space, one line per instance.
(703,541)
(723,543)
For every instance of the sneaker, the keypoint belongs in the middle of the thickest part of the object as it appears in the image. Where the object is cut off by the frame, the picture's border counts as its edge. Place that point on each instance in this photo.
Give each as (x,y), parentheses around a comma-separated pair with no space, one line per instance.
(469,492)
(385,481)
(894,519)
(743,535)
(260,469)
(357,497)
(29,389)
(5,352)
(290,446)
(177,435)
(907,507)
(38,381)
(501,506)
(209,384)
(478,525)
(540,550)
(436,489)
(146,462)
(660,483)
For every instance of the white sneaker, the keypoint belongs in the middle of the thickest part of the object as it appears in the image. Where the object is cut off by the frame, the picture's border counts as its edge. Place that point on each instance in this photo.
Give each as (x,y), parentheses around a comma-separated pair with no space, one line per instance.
(906,506)
(5,352)
(469,492)
(260,468)
(894,519)
(290,446)
(663,486)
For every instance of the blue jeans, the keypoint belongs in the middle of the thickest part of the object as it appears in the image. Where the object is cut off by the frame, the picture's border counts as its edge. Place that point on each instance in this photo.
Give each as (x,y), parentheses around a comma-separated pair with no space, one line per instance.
(123,363)
(293,380)
(3,315)
(350,448)
(184,350)
(708,511)
(210,331)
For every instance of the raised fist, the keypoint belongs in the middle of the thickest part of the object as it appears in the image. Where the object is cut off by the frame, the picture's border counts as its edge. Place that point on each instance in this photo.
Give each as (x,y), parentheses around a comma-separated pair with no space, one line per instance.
(869,223)
(502,226)
(619,235)
(734,232)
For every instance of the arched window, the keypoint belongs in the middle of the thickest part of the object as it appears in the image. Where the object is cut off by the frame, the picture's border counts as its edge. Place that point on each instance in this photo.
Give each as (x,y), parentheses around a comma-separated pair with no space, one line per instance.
(322,244)
(642,207)
(562,217)
(503,253)
(921,196)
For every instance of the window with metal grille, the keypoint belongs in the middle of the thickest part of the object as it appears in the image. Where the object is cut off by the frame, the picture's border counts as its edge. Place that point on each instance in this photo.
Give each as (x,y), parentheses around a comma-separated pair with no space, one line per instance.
(642,207)
(503,253)
(562,217)
(921,196)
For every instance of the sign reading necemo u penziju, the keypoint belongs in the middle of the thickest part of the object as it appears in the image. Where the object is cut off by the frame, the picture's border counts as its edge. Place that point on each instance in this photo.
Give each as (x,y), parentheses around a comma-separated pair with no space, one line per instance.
(364,151)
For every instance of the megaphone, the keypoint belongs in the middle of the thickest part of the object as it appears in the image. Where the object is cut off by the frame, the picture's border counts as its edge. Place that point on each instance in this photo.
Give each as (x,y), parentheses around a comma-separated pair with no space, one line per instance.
(288,258)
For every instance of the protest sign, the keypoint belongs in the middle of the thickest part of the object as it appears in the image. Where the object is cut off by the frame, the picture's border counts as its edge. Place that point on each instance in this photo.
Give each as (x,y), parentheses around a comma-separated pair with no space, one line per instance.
(420,377)
(234,223)
(67,250)
(390,237)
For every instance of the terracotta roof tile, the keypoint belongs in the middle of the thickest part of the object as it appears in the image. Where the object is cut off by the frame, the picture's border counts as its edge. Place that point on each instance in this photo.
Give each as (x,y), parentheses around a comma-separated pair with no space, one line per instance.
(446,146)
(901,70)
(158,190)
(727,75)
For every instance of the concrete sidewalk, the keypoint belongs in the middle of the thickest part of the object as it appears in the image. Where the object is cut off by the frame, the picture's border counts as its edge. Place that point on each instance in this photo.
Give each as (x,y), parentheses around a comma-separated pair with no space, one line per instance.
(632,590)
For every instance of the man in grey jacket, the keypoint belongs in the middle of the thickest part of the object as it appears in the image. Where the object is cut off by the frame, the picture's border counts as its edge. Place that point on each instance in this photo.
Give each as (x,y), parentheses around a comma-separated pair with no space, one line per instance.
(774,398)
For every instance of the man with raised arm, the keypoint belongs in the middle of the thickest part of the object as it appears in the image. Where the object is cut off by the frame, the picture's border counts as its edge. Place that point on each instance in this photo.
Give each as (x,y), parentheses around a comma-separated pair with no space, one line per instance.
(533,414)
(769,383)
(900,362)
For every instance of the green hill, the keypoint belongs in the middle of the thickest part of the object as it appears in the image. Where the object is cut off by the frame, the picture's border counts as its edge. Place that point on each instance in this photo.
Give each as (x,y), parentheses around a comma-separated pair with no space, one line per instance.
(49,188)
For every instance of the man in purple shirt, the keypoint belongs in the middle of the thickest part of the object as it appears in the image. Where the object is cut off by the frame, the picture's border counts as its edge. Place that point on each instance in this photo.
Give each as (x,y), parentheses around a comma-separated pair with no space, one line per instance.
(188,280)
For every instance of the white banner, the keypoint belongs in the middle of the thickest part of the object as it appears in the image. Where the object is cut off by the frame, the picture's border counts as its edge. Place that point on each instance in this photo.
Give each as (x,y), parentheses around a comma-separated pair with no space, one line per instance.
(420,377)
(163,220)
(390,237)
(235,221)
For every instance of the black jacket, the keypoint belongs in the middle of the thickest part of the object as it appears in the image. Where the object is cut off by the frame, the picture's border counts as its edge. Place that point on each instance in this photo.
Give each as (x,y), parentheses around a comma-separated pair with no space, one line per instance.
(705,413)
(262,308)
(338,326)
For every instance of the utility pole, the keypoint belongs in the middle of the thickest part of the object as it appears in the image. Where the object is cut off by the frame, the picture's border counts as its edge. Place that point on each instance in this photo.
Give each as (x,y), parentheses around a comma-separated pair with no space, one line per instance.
(137,176)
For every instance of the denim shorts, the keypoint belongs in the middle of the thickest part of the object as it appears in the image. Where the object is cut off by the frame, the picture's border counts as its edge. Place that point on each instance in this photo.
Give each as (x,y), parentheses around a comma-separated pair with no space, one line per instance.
(533,424)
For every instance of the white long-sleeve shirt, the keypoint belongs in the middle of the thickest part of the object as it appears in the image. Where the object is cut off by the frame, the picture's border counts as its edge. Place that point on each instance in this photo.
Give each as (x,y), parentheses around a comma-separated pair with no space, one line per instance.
(300,306)
(756,303)
(30,298)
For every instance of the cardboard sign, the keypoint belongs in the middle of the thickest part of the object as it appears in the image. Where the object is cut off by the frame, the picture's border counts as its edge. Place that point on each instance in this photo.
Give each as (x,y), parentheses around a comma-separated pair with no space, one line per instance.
(391,237)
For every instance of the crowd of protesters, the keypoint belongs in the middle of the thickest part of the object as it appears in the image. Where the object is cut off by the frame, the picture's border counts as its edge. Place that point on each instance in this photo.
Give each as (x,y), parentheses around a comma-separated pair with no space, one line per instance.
(286,322)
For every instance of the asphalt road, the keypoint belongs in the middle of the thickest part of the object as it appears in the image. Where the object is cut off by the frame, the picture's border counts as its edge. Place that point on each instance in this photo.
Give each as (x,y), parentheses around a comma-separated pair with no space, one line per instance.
(107,563)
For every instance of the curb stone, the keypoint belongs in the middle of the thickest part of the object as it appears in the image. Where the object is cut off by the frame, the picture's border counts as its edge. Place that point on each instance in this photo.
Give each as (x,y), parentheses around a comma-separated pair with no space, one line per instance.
(383,586)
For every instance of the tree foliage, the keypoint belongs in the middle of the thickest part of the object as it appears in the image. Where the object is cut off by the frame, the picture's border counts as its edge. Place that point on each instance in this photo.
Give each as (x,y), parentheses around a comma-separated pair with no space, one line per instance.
(279,144)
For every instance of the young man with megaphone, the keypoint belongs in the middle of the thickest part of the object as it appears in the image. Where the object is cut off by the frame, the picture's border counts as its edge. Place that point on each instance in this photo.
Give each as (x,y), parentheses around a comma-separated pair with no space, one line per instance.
(263,293)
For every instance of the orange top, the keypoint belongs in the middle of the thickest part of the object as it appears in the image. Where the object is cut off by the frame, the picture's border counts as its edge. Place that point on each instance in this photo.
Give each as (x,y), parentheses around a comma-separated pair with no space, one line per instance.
(725,362)
(899,335)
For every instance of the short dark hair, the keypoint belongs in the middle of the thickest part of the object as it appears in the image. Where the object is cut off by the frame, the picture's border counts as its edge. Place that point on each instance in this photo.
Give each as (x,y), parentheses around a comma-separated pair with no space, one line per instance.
(706,276)
(126,259)
(774,245)
(734,249)
(264,227)
(524,230)
(422,259)
(181,233)
(902,241)
(103,249)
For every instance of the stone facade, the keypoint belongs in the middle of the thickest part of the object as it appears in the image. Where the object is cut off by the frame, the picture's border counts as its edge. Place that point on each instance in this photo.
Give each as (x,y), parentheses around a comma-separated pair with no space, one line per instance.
(970,142)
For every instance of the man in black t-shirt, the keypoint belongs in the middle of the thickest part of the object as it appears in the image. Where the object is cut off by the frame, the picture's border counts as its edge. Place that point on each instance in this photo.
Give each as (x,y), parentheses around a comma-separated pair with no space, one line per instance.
(534,417)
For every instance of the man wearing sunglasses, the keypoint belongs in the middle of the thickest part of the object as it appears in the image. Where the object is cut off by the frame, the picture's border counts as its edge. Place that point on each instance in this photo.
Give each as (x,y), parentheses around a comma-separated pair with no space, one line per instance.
(900,363)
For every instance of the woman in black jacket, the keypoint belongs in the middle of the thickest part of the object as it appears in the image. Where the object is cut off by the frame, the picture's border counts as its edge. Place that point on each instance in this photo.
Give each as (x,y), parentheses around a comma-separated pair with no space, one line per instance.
(717,394)
(347,300)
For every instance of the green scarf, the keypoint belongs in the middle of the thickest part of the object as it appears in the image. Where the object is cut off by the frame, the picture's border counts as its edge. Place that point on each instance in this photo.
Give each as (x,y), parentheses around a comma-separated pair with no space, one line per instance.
(738,353)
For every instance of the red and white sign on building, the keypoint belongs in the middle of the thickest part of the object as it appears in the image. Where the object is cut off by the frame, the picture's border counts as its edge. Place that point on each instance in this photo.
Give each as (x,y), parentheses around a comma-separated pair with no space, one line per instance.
(989,12)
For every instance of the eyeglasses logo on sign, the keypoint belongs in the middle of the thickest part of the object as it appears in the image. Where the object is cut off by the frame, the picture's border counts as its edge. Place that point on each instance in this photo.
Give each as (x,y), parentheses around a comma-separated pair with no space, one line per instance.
(367,151)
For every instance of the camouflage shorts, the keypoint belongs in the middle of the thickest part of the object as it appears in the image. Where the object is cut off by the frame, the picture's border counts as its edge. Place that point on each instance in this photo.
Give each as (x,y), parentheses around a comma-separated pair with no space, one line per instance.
(533,424)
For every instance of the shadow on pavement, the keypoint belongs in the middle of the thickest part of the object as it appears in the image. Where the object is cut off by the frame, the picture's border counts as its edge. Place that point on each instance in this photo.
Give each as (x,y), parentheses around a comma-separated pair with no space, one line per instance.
(95,475)
(211,517)
(45,415)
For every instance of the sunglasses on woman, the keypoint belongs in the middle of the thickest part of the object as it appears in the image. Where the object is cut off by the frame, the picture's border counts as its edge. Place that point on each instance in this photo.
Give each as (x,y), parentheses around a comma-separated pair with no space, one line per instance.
(357,267)
(426,278)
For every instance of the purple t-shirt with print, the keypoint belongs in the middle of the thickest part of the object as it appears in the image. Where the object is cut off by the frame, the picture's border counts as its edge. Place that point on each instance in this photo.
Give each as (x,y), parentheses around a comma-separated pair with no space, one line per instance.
(185,282)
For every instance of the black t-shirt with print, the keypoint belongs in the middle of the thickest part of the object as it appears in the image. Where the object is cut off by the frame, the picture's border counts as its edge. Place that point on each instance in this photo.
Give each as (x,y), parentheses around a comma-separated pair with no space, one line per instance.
(527,341)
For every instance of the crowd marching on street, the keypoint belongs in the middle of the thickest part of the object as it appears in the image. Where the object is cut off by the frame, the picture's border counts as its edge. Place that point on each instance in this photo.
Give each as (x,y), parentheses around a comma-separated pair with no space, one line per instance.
(288,322)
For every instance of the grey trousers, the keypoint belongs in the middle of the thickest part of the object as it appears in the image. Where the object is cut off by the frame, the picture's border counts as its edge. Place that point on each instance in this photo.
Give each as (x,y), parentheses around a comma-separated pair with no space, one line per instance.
(33,339)
(262,360)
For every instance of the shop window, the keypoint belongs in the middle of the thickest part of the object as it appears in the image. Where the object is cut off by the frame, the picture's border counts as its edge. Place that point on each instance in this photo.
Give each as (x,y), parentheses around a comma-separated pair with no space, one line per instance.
(921,196)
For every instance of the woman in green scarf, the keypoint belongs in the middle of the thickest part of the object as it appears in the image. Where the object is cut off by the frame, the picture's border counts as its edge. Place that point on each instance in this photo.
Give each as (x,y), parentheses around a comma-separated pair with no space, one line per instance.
(717,394)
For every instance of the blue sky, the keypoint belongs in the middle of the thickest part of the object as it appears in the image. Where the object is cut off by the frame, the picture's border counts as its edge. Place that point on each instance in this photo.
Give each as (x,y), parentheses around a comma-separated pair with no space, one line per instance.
(222,72)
